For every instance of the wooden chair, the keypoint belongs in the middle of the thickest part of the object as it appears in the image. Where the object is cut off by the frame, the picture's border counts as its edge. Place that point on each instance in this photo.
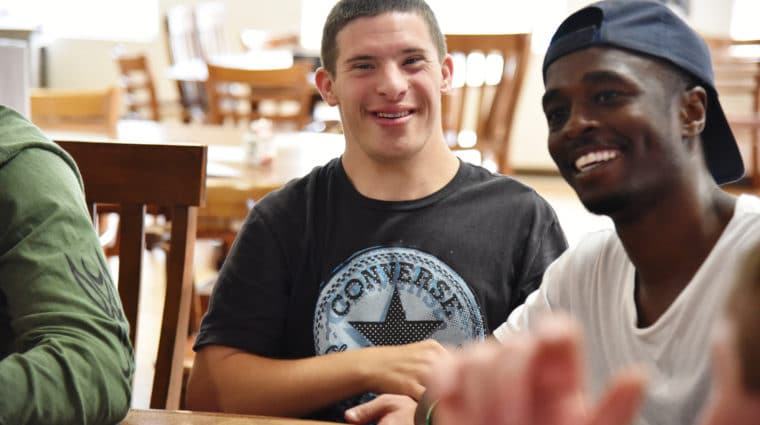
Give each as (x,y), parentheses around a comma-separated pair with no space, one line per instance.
(246,94)
(252,39)
(133,176)
(137,86)
(737,77)
(183,46)
(479,109)
(209,26)
(78,110)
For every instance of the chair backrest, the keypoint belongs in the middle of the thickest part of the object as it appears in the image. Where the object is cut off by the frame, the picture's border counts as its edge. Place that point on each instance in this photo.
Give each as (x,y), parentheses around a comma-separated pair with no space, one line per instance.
(181,36)
(77,110)
(14,67)
(209,25)
(488,75)
(736,72)
(254,39)
(139,91)
(133,176)
(183,45)
(281,95)
(737,77)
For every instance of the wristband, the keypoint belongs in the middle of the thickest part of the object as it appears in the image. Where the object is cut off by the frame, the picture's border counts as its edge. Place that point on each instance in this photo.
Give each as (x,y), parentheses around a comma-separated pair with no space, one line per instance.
(429,415)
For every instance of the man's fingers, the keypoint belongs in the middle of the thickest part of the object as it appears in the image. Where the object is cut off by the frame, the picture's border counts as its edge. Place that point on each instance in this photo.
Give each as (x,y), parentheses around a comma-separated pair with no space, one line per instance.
(620,404)
(366,412)
(557,366)
(378,408)
(726,369)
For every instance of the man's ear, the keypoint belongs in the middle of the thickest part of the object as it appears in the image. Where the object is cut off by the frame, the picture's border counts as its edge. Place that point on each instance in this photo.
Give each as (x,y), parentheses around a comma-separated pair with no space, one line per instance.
(324,82)
(447,72)
(693,112)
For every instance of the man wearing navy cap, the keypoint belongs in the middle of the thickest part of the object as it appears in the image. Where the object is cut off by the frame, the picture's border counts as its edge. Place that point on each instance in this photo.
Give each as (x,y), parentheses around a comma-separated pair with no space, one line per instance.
(636,128)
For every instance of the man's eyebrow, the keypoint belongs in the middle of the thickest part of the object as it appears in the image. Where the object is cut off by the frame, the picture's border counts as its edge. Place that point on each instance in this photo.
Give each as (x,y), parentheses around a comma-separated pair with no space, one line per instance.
(363,57)
(359,58)
(599,77)
(413,50)
(594,77)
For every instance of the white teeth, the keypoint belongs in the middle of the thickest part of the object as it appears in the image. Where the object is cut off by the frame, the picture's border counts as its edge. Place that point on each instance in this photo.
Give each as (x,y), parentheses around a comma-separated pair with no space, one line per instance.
(594,159)
(396,115)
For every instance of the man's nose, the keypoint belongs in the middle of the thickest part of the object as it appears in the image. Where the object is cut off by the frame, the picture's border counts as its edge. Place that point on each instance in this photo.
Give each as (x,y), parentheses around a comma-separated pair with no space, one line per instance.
(580,122)
(393,82)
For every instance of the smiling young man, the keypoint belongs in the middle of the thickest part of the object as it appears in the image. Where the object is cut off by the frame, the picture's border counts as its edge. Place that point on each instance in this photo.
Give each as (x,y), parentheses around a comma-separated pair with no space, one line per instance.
(352,279)
(636,128)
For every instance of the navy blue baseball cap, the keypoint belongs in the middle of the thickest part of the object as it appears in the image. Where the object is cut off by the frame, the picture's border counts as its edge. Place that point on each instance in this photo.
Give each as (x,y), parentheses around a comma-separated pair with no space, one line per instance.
(653,29)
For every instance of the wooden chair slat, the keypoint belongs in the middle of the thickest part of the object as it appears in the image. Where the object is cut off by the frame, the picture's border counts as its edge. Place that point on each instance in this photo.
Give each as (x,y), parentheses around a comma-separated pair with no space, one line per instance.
(493,107)
(133,176)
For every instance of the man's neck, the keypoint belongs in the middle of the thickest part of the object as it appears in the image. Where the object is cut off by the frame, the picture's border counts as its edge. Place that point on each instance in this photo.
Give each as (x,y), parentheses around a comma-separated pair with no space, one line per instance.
(404,179)
(668,242)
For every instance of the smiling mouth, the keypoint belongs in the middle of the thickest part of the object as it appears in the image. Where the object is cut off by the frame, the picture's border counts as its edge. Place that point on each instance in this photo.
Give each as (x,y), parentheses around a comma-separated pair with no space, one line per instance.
(392,116)
(592,160)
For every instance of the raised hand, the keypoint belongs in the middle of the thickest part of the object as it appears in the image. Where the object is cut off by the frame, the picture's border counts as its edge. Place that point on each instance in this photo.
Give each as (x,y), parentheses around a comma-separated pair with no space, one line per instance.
(529,380)
(730,402)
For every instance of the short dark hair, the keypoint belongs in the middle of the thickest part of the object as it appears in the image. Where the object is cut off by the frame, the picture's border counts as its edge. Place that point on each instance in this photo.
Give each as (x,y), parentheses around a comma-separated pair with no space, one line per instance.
(346,11)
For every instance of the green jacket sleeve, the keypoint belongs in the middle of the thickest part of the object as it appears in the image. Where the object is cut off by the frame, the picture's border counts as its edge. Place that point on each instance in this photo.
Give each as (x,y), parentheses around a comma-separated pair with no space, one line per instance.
(65,355)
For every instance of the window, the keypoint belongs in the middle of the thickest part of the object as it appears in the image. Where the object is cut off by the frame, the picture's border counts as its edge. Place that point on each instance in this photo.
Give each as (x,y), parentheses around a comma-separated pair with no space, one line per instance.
(118,20)
(479,16)
(744,20)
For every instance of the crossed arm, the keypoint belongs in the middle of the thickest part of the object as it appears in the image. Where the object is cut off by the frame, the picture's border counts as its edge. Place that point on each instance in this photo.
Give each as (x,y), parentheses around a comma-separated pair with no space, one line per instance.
(231,380)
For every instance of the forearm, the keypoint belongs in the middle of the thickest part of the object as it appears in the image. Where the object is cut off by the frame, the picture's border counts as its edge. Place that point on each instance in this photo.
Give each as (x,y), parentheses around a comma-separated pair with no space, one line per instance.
(57,383)
(231,380)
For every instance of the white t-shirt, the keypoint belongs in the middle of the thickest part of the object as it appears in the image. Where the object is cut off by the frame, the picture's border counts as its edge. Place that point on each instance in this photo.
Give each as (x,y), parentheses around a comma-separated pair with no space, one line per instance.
(594,282)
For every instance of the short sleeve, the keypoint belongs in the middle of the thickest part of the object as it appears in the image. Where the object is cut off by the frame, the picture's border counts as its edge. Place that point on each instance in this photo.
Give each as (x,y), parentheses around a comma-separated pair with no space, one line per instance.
(545,244)
(249,303)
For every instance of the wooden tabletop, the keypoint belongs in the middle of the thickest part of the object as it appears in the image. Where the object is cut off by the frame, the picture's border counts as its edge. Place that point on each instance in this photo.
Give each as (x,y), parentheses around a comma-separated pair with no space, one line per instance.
(166,417)
(231,181)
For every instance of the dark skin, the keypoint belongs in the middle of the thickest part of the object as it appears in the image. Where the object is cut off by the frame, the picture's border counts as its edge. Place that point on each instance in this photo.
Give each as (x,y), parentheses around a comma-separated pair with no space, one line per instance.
(667,210)
(642,122)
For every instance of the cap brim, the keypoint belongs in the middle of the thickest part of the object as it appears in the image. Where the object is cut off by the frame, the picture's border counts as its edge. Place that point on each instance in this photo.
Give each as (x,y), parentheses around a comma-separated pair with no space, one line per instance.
(721,151)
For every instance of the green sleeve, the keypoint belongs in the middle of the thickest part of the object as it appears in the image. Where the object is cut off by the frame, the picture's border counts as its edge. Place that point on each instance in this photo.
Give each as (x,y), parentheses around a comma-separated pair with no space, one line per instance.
(64,346)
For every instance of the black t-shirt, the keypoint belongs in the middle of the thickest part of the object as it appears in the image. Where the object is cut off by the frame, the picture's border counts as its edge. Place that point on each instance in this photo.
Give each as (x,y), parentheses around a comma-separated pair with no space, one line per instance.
(319,268)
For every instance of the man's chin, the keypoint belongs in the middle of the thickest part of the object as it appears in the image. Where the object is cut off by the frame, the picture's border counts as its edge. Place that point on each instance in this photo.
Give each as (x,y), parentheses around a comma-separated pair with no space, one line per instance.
(609,205)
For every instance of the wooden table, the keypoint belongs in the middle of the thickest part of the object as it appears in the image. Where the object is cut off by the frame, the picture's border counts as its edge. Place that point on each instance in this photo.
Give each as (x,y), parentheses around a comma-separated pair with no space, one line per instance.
(172,417)
(231,182)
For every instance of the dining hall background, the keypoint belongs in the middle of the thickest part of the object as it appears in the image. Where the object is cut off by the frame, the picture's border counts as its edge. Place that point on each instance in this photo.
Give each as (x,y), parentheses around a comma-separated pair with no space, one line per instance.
(73,44)
(83,34)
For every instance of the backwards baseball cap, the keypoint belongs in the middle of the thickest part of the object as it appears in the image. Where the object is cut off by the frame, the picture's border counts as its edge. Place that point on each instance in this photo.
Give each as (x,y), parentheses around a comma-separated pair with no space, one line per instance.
(651,28)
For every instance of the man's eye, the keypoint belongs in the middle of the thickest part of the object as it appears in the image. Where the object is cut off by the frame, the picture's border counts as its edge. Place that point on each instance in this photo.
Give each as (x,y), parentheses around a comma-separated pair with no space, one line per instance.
(607,96)
(556,118)
(362,66)
(413,60)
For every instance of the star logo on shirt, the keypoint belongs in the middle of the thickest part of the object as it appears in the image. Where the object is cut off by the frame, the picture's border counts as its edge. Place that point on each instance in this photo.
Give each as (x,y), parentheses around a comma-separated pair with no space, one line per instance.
(395,329)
